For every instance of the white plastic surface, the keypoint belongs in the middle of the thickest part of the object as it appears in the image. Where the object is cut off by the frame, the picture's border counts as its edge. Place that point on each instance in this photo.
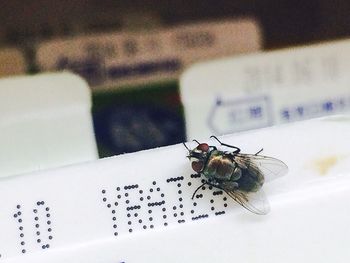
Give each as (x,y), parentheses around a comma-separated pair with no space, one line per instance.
(45,122)
(260,90)
(308,221)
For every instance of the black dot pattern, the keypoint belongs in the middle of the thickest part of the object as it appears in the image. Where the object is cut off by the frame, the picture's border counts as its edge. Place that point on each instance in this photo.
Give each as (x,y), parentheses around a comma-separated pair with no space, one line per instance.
(42,221)
(19,218)
(137,207)
(34,227)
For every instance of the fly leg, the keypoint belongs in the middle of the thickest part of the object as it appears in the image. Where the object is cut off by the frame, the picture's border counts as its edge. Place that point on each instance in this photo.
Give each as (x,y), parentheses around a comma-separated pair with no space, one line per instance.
(199,187)
(259,151)
(227,145)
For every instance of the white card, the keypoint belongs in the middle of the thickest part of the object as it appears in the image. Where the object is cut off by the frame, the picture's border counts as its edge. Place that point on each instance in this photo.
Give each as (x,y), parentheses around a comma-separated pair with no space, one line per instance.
(45,122)
(129,58)
(259,90)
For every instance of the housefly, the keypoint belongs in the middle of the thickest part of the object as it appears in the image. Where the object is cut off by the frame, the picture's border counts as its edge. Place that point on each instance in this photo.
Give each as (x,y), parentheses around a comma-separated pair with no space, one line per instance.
(240,175)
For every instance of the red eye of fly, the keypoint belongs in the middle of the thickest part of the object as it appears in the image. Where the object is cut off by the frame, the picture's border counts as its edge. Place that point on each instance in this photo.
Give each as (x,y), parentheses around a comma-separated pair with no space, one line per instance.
(203,147)
(197,166)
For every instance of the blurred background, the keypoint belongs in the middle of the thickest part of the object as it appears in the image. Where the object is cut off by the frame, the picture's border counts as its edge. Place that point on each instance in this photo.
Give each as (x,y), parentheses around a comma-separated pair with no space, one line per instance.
(283,23)
(132,52)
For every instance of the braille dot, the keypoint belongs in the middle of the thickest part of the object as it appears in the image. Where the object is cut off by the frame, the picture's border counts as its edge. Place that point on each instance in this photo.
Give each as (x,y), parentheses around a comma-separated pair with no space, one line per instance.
(116,233)
(151,190)
(175,215)
(116,203)
(212,208)
(192,211)
(182,213)
(225,205)
(36,218)
(165,224)
(113,211)
(141,198)
(38,241)
(21,228)
(181,206)
(48,222)
(130,230)
(128,215)
(38,203)
(225,198)
(119,196)
(21,235)
(127,201)
(163,209)
(47,246)
(109,205)
(150,219)
(136,215)
(211,201)
(144,227)
(18,206)
(151,226)
(114,218)
(158,189)
(15,215)
(50,237)
(20,220)
(203,187)
(189,183)
(179,185)
(180,192)
(104,199)
(150,211)
(203,181)
(118,188)
(210,187)
(42,202)
(195,204)
(174,207)
(140,221)
(43,246)
(103,191)
(47,209)
(162,195)
(19,213)
(148,197)
(23,251)
(114,226)
(23,243)
(38,233)
(35,211)
(129,222)
(49,229)
(164,216)
(37,225)
(180,199)
(140,191)
(154,182)
(126,194)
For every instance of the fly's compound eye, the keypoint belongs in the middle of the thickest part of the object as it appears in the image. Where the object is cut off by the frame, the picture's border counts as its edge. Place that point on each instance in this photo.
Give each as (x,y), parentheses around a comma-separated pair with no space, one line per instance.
(203,147)
(197,166)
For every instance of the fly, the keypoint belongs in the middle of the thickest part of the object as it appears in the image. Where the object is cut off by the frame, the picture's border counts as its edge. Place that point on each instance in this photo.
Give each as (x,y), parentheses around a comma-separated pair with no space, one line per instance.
(240,175)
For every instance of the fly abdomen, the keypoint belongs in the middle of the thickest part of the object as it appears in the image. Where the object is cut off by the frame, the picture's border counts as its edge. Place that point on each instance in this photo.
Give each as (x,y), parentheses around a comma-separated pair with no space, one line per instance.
(250,181)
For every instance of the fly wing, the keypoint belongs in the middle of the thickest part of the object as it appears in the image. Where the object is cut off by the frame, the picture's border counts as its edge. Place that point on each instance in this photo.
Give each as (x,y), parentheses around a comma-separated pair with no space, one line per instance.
(255,202)
(270,168)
